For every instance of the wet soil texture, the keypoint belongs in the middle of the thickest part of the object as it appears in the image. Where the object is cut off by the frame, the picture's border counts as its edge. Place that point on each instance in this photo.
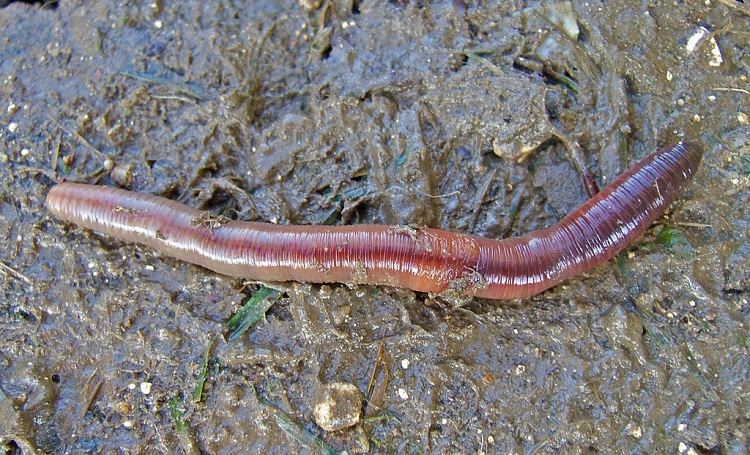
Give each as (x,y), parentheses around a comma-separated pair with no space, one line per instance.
(469,116)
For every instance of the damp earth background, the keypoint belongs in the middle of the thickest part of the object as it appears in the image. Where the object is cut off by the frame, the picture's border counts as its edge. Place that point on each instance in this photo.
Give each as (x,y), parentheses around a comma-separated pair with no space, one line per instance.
(459,115)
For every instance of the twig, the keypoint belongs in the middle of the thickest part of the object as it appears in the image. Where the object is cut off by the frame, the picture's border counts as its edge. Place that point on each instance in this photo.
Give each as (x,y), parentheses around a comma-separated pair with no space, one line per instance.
(695,225)
(732,89)
(8,270)
(474,55)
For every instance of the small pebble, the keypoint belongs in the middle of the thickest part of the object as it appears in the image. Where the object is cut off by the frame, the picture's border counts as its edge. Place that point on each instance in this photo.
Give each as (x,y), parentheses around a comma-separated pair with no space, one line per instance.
(146,388)
(310,5)
(122,174)
(339,406)
(121,407)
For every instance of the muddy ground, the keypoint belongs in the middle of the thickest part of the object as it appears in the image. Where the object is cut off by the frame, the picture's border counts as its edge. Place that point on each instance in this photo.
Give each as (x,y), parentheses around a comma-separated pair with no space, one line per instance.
(460,115)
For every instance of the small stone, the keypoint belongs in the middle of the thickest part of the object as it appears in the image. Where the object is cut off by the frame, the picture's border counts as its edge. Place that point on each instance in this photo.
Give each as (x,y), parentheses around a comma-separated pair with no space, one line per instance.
(146,388)
(122,174)
(562,15)
(339,406)
(122,407)
(310,5)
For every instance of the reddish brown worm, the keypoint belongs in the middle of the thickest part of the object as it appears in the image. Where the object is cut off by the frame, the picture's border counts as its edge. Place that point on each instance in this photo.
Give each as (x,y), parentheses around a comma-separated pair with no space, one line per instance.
(422,259)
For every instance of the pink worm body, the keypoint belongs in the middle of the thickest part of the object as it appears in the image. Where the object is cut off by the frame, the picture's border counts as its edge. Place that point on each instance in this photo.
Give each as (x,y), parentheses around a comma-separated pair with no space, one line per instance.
(427,260)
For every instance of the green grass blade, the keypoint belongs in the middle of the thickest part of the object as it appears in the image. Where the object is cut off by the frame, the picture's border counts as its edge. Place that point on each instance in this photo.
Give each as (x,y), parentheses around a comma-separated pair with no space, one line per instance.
(252,311)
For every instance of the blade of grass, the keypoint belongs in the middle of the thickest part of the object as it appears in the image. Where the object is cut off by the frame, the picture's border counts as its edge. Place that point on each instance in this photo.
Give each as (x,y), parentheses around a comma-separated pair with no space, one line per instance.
(198,392)
(185,434)
(165,79)
(254,309)
(301,435)
(673,240)
(305,437)
(174,410)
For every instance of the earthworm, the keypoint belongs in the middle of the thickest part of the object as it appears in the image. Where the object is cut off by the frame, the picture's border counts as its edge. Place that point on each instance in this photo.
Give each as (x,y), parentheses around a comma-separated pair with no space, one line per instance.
(421,259)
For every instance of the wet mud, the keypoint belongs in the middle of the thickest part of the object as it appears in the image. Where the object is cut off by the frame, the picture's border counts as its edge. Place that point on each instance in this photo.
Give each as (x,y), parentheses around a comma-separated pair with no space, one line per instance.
(461,115)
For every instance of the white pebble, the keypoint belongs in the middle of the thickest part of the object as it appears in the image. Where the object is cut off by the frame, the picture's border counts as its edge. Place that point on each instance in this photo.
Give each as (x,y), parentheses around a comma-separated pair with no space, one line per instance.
(403,394)
(146,388)
(693,41)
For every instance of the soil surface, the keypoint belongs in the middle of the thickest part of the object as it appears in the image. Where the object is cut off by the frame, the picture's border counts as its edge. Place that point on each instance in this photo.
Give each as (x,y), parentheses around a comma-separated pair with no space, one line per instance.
(457,114)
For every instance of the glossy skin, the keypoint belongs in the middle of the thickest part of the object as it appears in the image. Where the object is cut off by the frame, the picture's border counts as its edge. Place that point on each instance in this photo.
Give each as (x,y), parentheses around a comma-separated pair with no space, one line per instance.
(426,260)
